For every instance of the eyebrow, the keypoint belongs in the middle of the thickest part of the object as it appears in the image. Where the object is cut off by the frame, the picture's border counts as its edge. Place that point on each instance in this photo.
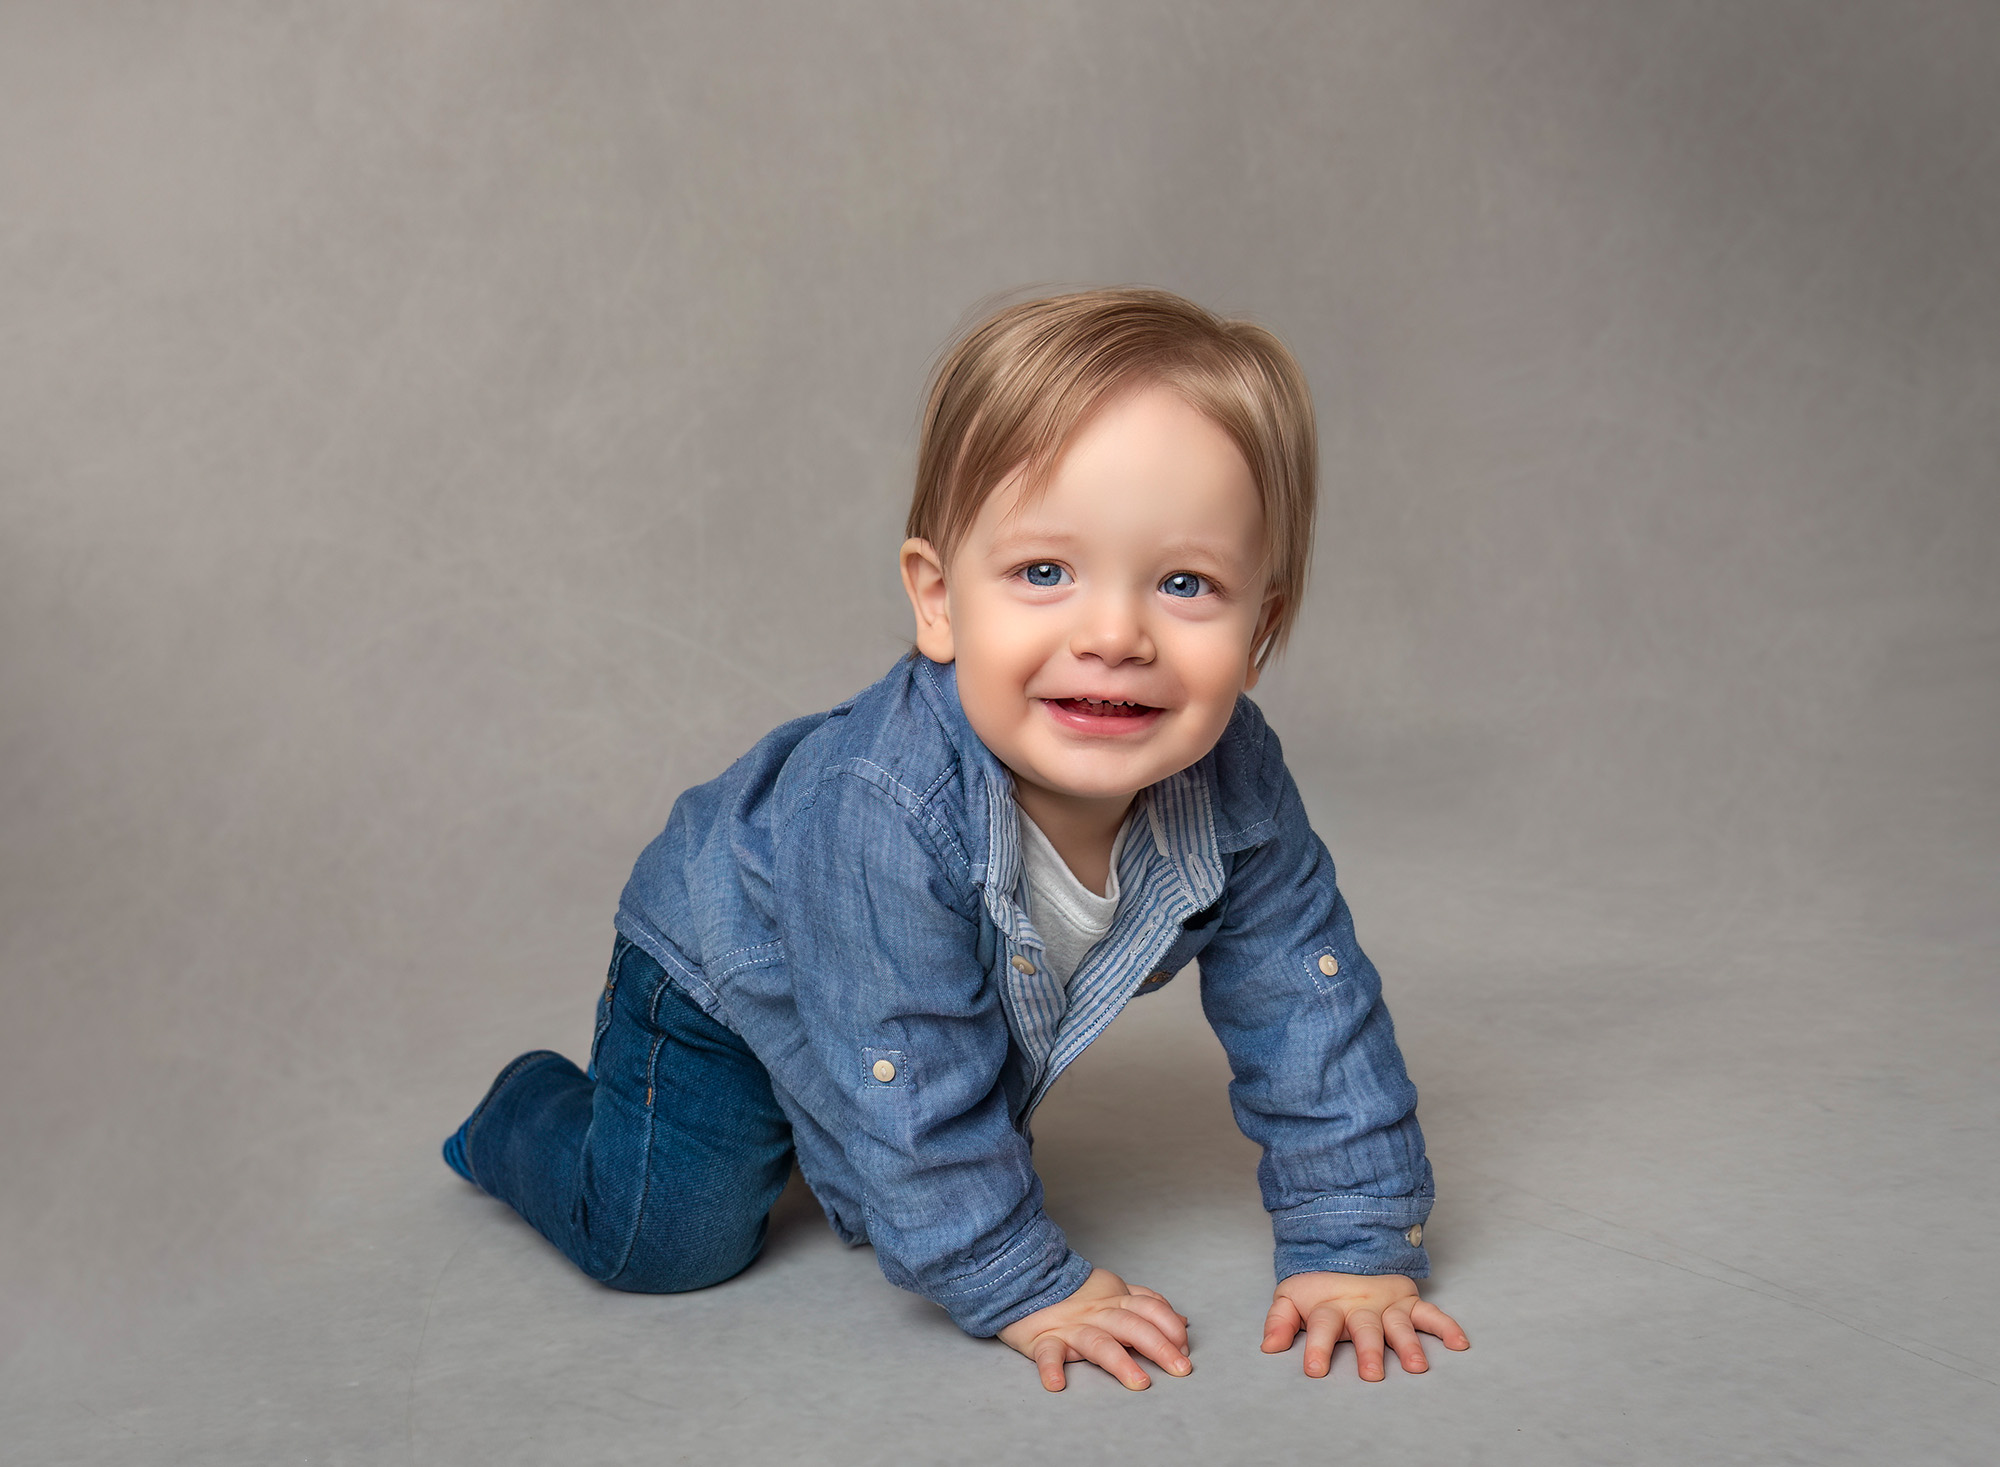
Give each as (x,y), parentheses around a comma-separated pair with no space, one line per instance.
(1189,545)
(1015,541)
(1018,541)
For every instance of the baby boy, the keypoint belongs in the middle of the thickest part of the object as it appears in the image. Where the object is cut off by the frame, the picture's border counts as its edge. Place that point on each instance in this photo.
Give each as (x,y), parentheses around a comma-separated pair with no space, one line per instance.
(878,938)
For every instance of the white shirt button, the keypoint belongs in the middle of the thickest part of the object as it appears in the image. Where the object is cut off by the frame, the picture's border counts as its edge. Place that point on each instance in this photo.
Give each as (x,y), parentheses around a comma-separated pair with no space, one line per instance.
(885,1071)
(1022,965)
(1329,965)
(1415,1236)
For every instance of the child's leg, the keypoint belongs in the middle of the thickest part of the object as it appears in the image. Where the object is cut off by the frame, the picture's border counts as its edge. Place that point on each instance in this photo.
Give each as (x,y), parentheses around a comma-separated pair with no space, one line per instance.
(657,1171)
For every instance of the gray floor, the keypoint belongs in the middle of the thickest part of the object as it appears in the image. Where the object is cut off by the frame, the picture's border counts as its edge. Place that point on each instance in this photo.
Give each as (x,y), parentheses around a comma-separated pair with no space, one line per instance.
(1712,1191)
(432,435)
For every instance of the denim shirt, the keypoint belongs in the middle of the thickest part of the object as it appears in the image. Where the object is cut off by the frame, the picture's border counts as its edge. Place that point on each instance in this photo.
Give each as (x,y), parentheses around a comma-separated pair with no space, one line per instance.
(847,897)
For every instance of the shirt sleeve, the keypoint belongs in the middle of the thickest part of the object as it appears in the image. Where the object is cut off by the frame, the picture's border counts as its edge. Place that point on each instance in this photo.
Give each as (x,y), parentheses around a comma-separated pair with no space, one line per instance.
(908,1041)
(1319,1082)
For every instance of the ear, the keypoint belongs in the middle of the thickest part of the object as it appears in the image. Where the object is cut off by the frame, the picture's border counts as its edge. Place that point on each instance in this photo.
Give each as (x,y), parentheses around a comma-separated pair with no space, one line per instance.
(923,580)
(1274,606)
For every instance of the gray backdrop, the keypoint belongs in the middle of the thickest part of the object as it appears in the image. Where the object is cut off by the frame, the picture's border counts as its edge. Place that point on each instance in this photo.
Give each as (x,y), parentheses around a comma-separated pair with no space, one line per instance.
(433,434)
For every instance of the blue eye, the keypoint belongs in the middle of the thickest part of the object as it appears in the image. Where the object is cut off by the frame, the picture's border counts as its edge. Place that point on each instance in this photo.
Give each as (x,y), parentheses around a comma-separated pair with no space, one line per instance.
(1184,583)
(1044,573)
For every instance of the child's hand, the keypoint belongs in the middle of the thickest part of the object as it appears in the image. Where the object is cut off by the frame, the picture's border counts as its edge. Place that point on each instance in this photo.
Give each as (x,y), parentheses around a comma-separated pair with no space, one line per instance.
(1097,1323)
(1364,1308)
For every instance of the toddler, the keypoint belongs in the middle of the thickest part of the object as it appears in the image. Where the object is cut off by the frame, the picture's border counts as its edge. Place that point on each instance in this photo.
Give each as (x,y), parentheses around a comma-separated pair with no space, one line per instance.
(879,937)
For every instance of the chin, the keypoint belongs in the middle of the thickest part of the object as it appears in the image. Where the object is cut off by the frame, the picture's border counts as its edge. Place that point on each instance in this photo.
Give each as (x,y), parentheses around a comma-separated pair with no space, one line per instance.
(1097,784)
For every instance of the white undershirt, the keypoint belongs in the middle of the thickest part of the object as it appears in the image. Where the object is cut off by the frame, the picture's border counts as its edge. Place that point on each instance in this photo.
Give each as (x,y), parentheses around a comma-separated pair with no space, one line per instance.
(1069,915)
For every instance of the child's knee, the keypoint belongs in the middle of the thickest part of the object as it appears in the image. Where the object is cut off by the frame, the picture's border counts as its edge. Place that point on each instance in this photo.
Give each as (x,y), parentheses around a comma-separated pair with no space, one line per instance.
(679,1259)
(680,1270)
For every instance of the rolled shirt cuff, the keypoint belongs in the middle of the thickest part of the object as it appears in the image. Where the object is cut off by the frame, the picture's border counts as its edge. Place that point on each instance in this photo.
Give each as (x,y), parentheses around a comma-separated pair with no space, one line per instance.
(1353,1234)
(1035,1270)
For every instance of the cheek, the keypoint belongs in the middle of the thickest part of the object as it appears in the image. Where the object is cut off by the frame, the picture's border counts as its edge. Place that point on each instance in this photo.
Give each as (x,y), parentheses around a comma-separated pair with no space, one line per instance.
(995,661)
(1214,659)
(1009,642)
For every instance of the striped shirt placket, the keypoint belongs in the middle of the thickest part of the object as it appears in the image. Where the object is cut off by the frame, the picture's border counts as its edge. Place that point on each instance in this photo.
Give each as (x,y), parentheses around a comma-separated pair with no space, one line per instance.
(1168,875)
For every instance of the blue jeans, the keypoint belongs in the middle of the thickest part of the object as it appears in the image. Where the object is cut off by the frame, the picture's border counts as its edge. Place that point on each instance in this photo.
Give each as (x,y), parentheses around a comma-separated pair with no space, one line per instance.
(656,1171)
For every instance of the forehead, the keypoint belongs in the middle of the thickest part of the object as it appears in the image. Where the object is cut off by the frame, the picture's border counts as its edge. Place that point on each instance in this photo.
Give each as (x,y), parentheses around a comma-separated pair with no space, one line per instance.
(1146,466)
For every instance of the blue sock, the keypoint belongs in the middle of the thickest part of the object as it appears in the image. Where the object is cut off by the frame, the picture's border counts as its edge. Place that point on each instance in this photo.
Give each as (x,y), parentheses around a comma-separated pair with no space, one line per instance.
(454,1154)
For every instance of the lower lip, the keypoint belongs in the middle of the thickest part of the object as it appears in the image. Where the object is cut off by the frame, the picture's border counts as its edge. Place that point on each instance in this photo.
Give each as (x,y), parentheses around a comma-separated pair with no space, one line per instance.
(1072,716)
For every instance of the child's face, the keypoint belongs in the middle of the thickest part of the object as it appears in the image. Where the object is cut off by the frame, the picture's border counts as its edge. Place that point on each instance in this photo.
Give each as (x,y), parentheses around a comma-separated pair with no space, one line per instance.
(1103,629)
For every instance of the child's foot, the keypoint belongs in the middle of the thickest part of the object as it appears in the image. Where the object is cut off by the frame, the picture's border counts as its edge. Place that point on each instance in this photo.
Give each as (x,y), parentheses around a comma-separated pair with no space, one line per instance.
(454,1154)
(454,1147)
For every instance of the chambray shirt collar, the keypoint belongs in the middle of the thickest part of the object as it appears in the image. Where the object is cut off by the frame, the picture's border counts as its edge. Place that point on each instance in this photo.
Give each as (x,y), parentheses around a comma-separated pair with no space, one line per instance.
(989,794)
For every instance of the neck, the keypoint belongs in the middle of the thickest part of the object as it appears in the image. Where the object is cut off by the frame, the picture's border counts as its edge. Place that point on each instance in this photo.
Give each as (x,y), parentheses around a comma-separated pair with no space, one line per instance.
(1082,828)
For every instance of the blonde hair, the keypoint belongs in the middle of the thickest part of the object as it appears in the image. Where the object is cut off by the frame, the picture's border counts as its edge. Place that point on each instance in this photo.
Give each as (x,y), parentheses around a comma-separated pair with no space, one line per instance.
(1014,390)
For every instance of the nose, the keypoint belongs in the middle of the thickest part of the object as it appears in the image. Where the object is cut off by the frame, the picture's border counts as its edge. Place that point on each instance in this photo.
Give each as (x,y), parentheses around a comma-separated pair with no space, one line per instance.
(1112,630)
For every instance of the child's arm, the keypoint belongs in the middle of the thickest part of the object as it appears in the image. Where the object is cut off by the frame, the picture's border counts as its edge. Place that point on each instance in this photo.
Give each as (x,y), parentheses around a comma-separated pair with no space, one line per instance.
(905,1047)
(1319,1083)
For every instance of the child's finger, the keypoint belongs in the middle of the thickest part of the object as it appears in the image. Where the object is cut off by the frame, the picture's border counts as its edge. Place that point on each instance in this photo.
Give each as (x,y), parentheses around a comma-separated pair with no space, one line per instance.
(1403,1340)
(1281,1326)
(1322,1329)
(1100,1347)
(1141,1334)
(1432,1320)
(1364,1327)
(1161,1314)
(1146,1293)
(1049,1353)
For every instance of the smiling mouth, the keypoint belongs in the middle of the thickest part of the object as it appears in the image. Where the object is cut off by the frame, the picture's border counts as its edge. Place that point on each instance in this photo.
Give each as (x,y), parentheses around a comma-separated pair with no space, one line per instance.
(1103,708)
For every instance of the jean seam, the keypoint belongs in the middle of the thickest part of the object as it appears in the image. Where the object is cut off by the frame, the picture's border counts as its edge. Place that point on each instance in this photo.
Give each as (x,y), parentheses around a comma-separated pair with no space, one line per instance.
(609,998)
(646,1157)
